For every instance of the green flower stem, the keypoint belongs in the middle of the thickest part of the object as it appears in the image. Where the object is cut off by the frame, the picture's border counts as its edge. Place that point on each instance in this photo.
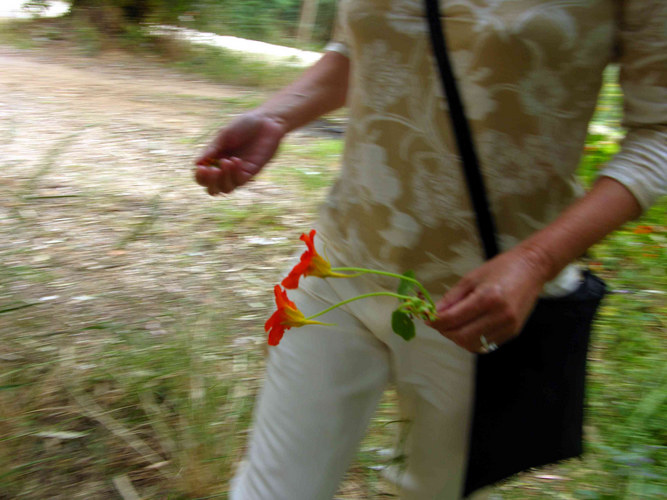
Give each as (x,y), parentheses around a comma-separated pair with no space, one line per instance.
(364,296)
(361,270)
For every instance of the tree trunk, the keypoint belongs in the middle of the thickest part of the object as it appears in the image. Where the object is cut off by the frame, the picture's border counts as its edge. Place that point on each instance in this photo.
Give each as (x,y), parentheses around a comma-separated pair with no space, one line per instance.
(307,21)
(136,10)
(111,16)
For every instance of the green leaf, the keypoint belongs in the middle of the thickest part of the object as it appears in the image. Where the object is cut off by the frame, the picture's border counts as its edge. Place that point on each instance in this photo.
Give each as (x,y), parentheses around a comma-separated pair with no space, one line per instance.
(406,287)
(402,324)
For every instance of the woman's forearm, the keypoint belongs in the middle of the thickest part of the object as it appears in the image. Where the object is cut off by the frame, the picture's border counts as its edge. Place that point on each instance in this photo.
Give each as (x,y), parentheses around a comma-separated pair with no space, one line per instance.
(322,88)
(495,299)
(605,208)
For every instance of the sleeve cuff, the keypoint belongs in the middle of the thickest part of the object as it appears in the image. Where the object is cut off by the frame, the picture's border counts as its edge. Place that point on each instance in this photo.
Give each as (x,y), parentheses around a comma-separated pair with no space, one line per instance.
(641,165)
(339,47)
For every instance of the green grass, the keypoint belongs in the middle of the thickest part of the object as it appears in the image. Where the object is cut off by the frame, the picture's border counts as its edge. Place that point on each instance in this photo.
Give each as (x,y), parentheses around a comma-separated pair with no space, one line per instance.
(628,389)
(224,66)
(311,166)
(323,152)
(229,218)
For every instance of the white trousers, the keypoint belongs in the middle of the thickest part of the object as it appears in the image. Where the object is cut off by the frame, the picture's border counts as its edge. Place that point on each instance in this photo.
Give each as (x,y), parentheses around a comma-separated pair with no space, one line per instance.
(323,384)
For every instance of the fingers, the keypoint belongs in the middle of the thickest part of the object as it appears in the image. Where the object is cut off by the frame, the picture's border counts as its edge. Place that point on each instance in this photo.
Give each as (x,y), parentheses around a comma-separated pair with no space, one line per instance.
(224,177)
(456,294)
(485,300)
(209,177)
(493,301)
(484,311)
(478,336)
(210,154)
(243,171)
(220,147)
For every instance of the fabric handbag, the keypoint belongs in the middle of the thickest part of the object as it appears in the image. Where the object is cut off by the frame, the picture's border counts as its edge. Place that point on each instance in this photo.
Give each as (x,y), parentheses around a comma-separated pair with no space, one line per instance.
(529,394)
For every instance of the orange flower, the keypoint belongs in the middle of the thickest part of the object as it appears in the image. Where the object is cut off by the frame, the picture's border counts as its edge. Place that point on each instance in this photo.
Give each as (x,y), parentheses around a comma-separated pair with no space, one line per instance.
(311,264)
(643,230)
(285,317)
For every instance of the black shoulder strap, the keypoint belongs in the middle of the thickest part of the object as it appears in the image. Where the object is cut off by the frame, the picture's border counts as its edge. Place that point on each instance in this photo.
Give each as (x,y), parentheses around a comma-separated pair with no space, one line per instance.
(473,174)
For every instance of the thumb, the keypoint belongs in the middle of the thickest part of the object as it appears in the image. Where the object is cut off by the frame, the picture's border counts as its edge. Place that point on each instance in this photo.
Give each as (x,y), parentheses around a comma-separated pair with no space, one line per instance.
(211,155)
(219,147)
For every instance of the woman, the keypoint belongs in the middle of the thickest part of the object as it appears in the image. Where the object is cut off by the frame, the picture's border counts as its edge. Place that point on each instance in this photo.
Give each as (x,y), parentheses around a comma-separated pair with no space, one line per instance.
(529,73)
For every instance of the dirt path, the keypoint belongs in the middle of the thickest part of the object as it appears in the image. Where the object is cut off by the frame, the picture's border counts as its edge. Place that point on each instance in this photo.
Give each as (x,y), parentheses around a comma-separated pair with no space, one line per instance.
(99,217)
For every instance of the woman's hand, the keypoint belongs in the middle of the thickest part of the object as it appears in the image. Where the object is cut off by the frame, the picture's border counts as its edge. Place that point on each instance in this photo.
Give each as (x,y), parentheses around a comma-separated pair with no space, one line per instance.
(494,300)
(242,148)
(239,152)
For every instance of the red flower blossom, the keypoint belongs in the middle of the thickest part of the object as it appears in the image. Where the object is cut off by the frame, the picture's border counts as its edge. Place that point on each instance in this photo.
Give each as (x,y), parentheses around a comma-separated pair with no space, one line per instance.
(311,264)
(286,316)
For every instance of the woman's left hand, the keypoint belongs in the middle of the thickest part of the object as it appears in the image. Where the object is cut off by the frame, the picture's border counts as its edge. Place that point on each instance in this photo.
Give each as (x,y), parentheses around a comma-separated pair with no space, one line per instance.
(493,301)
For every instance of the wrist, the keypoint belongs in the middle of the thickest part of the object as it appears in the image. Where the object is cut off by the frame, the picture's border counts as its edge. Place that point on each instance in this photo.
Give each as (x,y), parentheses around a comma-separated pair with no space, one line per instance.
(281,124)
(278,123)
(540,260)
(289,110)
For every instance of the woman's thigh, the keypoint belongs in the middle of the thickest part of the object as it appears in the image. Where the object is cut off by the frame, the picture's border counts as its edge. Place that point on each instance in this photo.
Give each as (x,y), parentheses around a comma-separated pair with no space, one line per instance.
(435,384)
(322,386)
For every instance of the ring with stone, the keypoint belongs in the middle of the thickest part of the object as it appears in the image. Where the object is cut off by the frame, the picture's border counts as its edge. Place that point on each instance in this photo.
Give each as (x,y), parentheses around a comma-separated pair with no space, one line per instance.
(486,345)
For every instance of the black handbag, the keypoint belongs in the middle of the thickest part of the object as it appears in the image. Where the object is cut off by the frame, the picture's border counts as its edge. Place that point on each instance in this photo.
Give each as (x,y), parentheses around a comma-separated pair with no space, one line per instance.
(529,394)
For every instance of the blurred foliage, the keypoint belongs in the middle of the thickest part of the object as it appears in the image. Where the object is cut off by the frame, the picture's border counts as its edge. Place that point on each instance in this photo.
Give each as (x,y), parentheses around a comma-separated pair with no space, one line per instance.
(266,20)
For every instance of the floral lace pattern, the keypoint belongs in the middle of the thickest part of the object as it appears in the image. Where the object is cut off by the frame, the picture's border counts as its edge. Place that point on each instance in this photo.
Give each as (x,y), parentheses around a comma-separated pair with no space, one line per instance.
(529,72)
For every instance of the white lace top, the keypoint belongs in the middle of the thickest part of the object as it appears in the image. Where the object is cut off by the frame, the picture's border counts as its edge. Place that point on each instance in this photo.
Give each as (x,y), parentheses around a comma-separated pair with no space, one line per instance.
(529,72)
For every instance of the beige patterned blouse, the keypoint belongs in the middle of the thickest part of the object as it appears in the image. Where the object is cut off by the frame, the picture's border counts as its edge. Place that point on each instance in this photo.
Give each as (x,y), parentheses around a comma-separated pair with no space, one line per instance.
(529,72)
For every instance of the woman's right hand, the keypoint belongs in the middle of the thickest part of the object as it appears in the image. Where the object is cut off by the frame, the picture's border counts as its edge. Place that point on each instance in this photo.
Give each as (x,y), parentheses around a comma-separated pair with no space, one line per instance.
(243,147)
(239,152)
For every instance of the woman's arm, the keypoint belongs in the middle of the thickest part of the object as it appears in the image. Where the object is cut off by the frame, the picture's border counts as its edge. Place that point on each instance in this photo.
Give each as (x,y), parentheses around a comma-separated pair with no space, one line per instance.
(604,209)
(496,299)
(242,148)
(321,89)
